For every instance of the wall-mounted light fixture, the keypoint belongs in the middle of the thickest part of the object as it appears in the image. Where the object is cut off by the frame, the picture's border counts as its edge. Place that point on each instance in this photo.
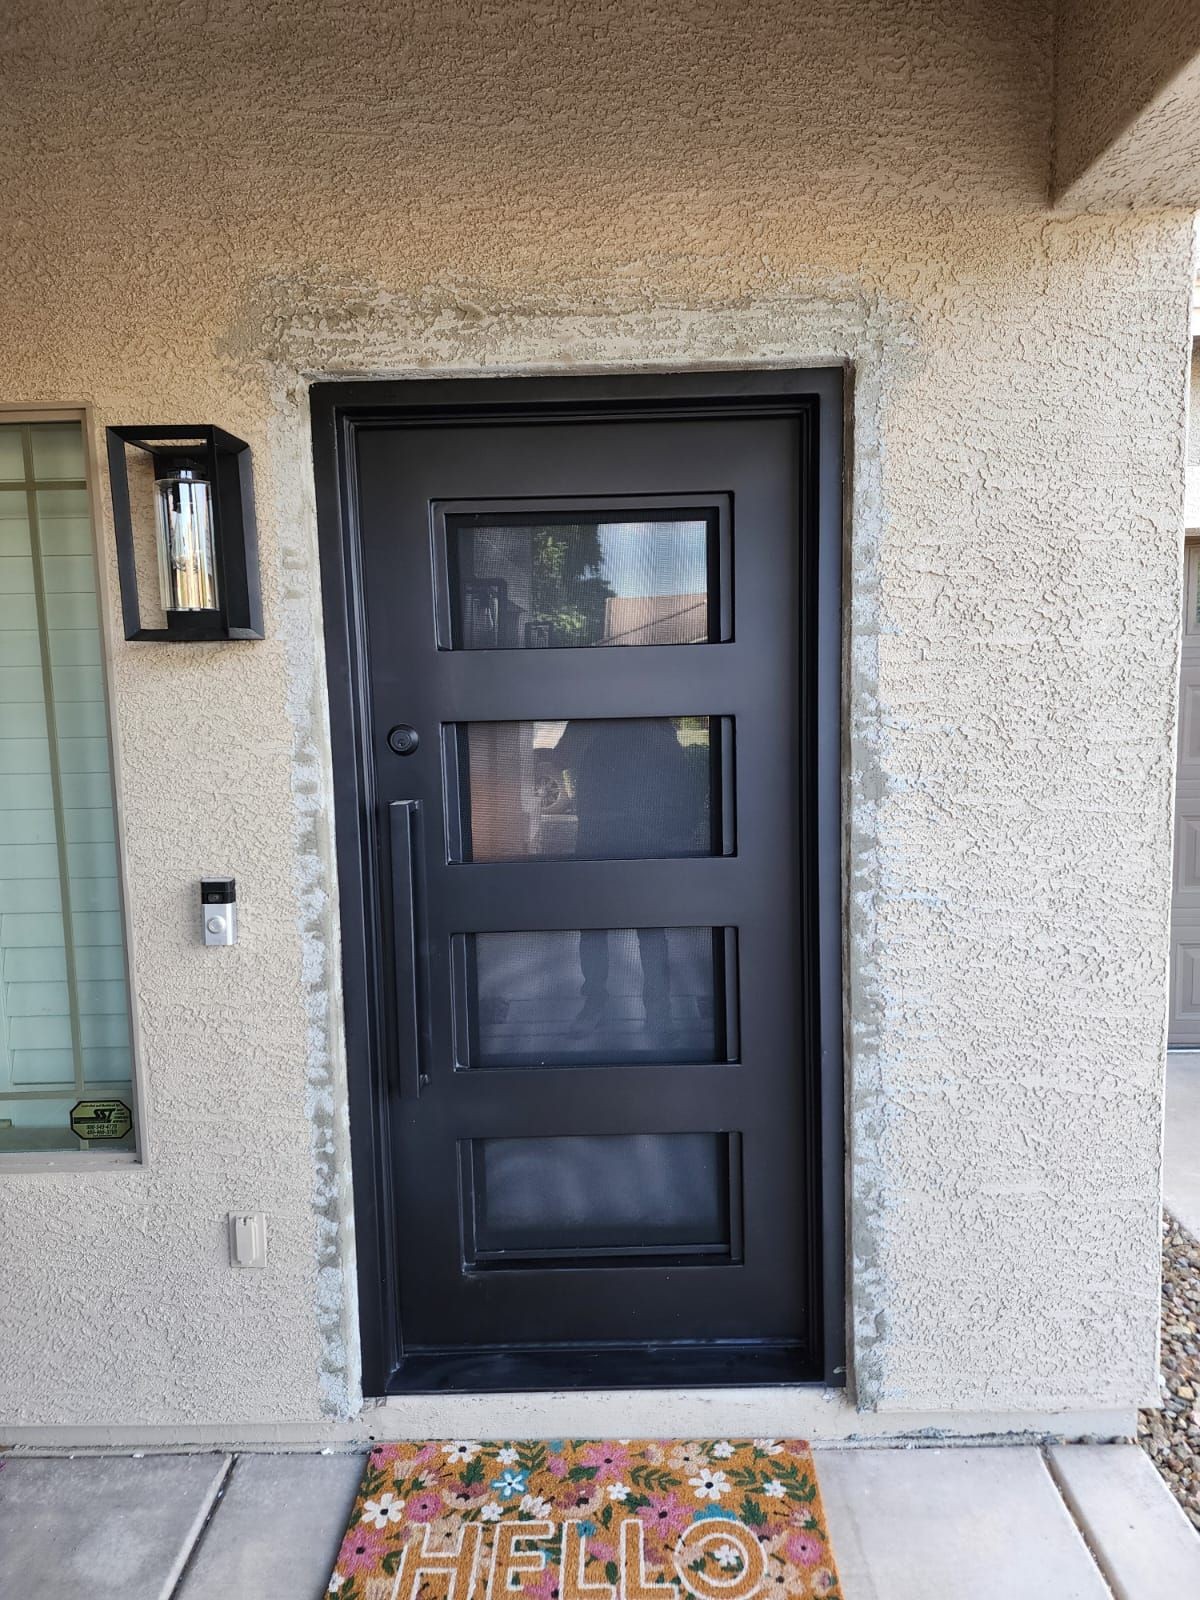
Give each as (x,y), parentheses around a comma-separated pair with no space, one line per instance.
(204,530)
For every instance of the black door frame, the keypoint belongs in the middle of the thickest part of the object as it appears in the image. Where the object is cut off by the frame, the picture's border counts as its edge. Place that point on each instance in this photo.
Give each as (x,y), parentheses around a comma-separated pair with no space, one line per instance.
(816,398)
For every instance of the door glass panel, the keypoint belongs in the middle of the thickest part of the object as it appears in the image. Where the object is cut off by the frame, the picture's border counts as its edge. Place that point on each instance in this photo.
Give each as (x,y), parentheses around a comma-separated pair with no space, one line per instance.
(614,790)
(547,582)
(596,1194)
(592,996)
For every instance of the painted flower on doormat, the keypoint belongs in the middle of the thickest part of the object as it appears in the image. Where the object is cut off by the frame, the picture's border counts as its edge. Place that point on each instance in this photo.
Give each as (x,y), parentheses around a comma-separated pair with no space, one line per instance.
(587,1519)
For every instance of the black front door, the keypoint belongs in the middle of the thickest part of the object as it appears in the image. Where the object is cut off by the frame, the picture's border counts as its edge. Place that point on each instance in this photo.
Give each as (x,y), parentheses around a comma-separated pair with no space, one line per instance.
(587,764)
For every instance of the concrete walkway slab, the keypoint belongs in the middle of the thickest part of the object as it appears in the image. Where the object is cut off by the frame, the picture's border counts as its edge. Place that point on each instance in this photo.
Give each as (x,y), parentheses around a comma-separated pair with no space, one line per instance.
(99,1527)
(1142,1541)
(923,1523)
(955,1524)
(1181,1153)
(278,1529)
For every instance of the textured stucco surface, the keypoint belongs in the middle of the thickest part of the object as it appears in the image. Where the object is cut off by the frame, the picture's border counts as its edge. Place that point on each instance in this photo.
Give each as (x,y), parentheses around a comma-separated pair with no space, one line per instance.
(1127,122)
(206,204)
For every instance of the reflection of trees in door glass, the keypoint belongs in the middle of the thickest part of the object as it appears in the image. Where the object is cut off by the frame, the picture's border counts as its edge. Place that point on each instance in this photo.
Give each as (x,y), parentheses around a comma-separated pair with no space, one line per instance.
(600,789)
(561,585)
(568,593)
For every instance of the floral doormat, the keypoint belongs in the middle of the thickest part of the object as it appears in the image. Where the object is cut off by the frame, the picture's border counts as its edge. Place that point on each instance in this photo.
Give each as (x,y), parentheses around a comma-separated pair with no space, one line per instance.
(587,1519)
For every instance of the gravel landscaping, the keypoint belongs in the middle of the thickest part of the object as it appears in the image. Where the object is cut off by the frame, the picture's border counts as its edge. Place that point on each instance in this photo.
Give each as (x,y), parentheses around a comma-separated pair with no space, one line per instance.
(1171,1437)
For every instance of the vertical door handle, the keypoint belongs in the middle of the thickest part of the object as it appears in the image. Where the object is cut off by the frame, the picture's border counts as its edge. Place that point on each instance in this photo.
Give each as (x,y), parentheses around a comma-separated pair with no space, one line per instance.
(406,947)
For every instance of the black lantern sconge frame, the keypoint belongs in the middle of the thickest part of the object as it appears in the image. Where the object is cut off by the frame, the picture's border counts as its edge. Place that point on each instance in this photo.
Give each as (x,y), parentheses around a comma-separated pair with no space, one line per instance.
(207,544)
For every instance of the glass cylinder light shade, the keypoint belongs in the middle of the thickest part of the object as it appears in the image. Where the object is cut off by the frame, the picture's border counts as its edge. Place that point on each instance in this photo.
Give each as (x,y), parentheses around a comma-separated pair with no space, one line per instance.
(187,557)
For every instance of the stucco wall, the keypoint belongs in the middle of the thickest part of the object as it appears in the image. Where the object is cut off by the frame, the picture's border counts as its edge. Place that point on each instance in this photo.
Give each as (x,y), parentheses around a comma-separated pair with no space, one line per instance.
(1127,122)
(207,205)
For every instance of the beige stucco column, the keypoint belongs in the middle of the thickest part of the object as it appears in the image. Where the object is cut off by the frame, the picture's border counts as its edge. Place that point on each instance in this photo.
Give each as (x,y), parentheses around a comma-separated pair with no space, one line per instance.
(1127,123)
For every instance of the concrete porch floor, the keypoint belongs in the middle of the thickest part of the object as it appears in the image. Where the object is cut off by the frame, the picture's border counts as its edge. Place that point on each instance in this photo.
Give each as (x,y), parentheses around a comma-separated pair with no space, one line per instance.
(1068,1522)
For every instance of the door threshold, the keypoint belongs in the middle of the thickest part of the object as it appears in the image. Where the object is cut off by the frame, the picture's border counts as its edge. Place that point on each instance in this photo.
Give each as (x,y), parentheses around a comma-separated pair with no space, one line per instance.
(668,1366)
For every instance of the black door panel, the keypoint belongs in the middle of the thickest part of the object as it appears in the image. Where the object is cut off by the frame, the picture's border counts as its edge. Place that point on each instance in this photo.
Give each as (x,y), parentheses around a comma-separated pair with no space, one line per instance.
(589,902)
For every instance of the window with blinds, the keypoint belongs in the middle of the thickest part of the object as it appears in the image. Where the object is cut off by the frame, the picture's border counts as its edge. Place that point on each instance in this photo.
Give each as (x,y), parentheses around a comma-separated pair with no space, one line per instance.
(65,1058)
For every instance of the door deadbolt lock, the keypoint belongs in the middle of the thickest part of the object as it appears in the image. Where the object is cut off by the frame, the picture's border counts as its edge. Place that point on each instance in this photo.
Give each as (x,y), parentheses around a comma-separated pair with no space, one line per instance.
(403,739)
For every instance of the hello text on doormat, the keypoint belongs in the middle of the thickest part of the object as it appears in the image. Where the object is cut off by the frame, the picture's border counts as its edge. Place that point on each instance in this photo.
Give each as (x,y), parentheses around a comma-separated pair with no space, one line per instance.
(587,1519)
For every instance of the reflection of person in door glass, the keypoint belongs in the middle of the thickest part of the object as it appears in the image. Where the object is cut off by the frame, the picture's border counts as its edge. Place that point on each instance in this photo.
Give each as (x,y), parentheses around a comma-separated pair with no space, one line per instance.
(637,793)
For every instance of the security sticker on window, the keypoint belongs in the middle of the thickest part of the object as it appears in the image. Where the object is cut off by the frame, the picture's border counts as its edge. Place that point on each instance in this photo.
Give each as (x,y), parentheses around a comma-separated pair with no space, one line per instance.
(101,1119)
